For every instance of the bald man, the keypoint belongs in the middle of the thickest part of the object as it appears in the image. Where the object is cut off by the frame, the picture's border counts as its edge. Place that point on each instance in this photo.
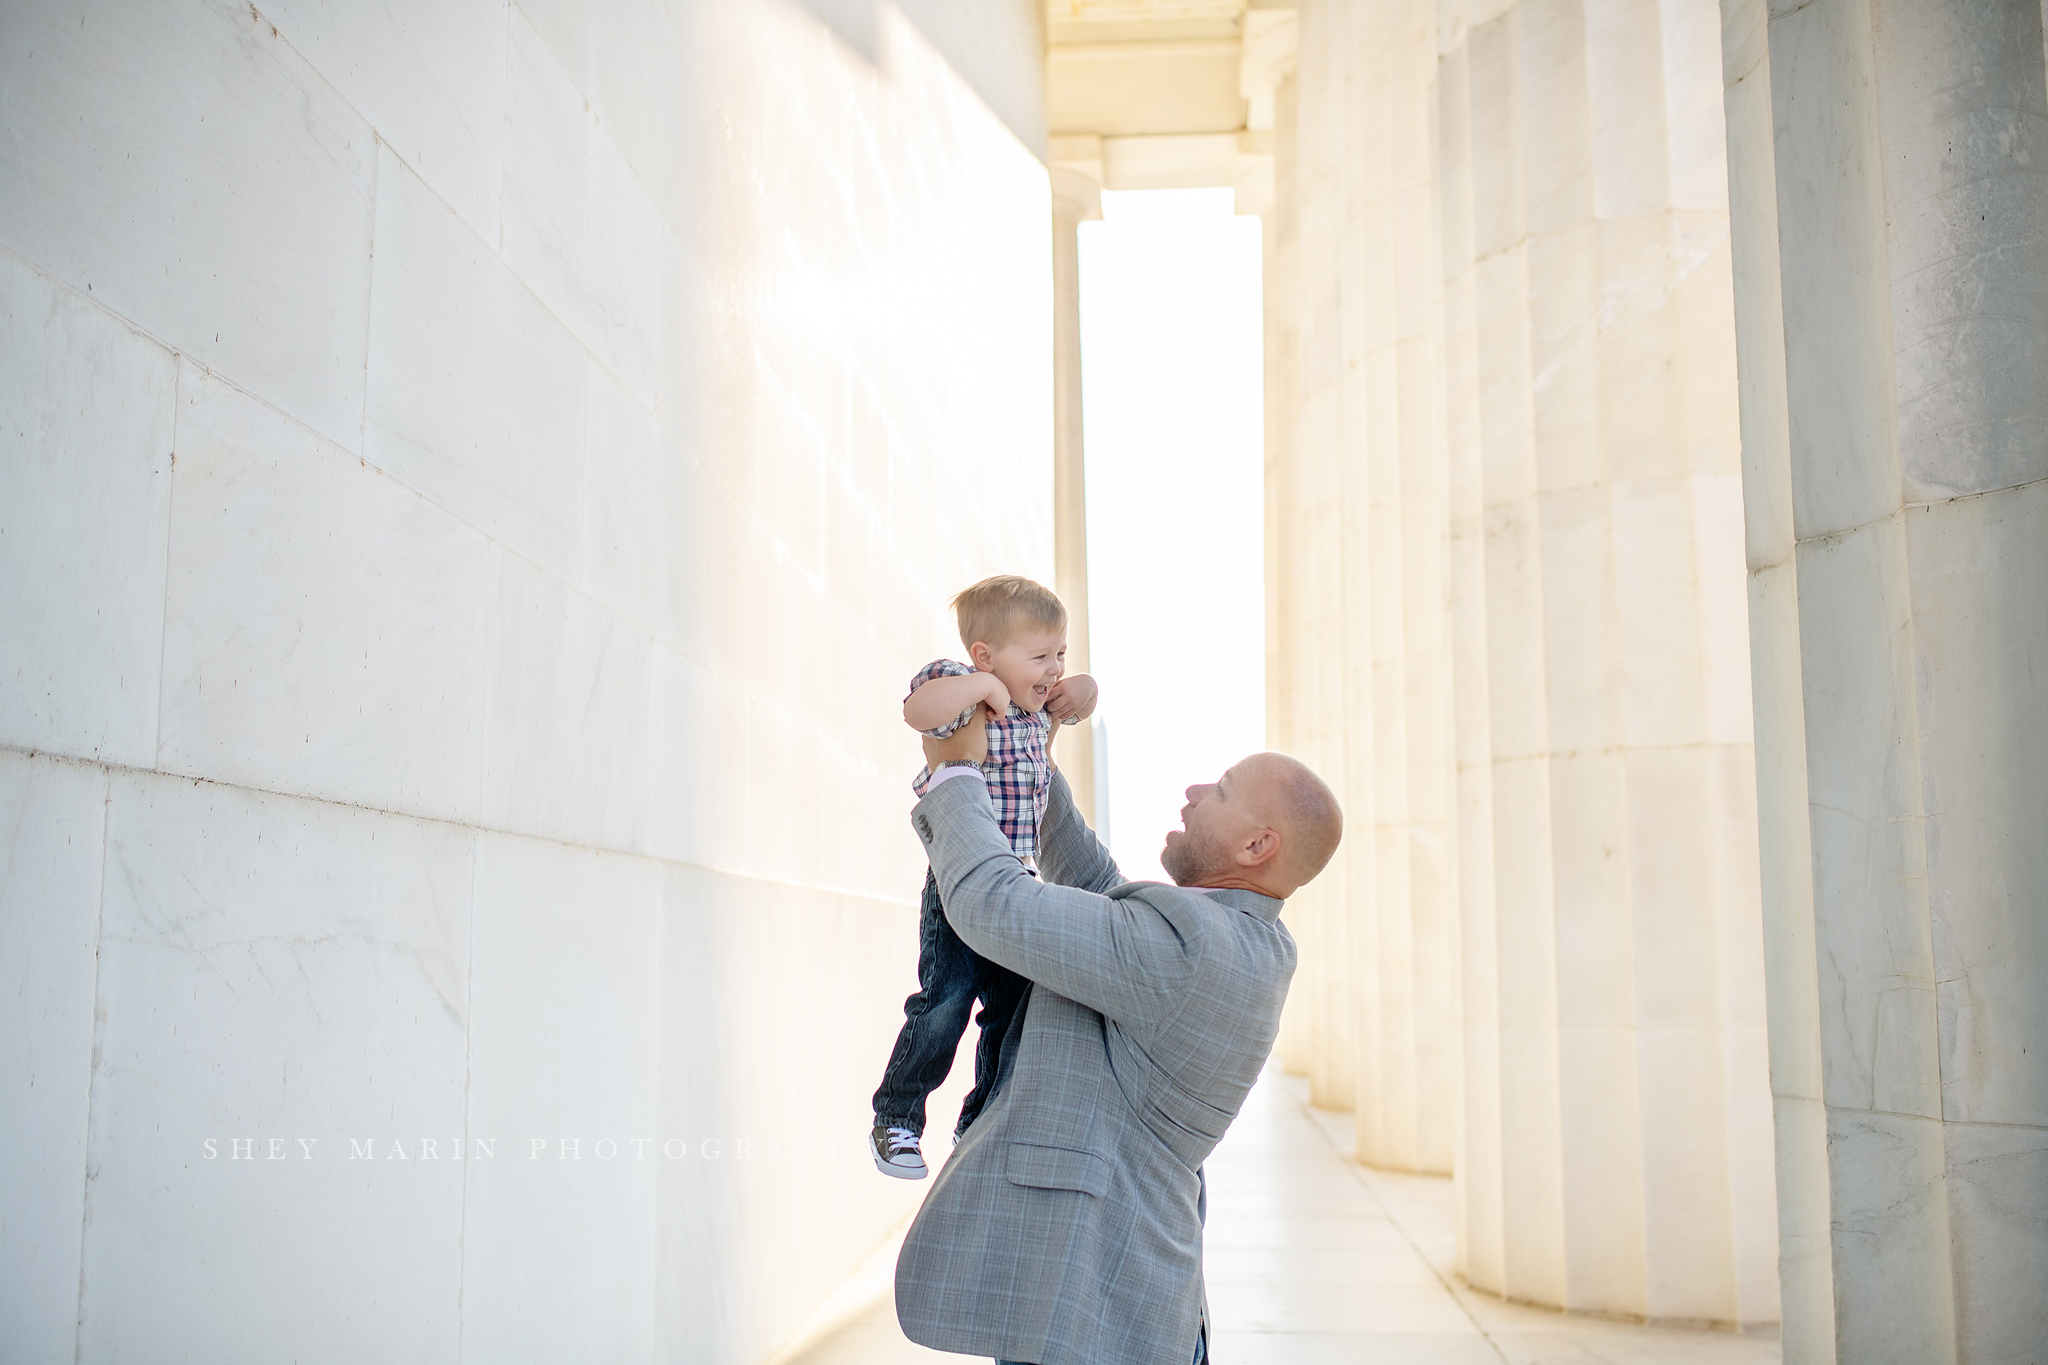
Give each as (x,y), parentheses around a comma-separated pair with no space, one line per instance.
(1066,1228)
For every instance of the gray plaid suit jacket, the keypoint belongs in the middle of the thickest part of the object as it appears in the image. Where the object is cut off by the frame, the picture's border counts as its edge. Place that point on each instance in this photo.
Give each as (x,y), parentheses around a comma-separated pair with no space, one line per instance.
(1066,1229)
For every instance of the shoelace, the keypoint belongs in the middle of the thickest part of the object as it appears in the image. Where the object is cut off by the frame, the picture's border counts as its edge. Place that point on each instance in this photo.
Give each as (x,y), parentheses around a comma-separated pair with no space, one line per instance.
(902,1140)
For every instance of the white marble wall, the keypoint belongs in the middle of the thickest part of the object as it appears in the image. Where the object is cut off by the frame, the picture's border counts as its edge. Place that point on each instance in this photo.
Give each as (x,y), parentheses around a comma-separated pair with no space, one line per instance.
(473,484)
(1519,643)
(1892,297)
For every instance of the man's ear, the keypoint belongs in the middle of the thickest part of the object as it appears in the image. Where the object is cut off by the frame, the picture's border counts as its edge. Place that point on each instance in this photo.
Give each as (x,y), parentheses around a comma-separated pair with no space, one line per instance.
(1260,849)
(981,656)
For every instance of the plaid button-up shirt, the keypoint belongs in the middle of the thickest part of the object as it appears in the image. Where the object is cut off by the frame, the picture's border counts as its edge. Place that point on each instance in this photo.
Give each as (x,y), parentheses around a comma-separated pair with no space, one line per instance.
(1018,772)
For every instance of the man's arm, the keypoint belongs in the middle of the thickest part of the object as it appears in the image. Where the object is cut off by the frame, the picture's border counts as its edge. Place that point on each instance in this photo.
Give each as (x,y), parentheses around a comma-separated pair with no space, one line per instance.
(1068,851)
(1122,957)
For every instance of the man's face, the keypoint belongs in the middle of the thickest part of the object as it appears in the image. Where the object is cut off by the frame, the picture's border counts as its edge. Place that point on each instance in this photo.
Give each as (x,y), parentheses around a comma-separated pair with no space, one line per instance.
(1218,820)
(1028,664)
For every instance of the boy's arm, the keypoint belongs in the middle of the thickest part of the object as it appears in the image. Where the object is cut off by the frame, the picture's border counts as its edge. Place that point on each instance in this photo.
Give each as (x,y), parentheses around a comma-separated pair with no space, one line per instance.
(1069,854)
(938,702)
(1072,698)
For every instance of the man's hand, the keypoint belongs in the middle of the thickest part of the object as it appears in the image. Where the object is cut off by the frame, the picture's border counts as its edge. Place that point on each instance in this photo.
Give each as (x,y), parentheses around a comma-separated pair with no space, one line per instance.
(1072,698)
(970,741)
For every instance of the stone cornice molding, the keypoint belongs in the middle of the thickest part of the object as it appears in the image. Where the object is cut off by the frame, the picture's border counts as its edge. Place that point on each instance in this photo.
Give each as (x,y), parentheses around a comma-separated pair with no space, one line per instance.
(1272,42)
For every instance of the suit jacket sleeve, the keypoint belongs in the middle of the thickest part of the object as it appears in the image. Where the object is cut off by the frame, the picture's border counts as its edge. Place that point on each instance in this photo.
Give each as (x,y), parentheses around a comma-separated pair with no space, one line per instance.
(1068,851)
(1120,956)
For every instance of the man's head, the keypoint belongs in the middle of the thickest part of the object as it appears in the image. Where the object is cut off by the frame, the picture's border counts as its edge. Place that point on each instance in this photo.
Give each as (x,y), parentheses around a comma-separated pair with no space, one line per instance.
(1016,630)
(1266,825)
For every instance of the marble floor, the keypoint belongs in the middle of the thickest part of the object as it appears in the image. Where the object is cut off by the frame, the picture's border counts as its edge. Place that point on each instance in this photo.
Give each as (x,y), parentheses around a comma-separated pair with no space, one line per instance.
(1315,1260)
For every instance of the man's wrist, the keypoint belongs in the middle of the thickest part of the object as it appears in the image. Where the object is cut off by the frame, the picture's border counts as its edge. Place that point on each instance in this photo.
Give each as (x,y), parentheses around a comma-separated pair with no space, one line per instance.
(952,768)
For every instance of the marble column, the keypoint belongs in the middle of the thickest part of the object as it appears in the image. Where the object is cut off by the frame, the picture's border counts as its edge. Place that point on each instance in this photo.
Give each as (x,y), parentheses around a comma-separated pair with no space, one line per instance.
(1366,471)
(1407,1060)
(1892,298)
(1615,1154)
(1287,557)
(1476,1158)
(1333,682)
(1075,199)
(1521,649)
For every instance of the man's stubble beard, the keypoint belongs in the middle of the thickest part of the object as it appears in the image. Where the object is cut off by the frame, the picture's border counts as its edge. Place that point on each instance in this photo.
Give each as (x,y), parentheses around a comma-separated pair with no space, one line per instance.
(1188,861)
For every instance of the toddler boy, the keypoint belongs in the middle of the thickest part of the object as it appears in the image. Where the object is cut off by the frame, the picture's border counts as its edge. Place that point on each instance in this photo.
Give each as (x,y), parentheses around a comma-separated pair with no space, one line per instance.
(1016,637)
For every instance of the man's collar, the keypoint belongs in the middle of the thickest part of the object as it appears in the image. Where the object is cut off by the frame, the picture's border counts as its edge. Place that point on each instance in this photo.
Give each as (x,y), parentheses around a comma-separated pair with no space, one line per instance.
(1250,902)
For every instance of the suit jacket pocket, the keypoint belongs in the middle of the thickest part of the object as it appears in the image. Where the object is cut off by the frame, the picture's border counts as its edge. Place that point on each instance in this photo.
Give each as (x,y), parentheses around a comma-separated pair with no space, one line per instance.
(1058,1168)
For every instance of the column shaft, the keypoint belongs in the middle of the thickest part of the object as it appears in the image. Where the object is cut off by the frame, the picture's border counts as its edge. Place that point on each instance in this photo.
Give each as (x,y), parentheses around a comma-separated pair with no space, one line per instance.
(1407,1087)
(1893,297)
(1074,199)
(1287,637)
(1332,547)
(1515,456)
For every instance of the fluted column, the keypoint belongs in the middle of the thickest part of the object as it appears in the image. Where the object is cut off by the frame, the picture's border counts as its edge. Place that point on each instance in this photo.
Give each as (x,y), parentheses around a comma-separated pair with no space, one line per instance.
(1288,555)
(1392,318)
(1518,645)
(1476,1154)
(1892,289)
(1327,690)
(1513,1208)
(1614,1153)
(1075,199)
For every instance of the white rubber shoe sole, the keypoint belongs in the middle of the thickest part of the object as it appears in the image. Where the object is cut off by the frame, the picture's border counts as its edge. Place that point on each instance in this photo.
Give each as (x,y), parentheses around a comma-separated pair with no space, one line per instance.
(883,1145)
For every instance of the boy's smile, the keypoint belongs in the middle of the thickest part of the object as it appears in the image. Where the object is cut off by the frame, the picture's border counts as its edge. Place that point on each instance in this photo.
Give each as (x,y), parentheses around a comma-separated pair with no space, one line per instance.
(1027,664)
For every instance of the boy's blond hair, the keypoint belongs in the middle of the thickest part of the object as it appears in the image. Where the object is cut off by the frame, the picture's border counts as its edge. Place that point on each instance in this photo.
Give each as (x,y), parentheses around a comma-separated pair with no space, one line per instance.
(996,608)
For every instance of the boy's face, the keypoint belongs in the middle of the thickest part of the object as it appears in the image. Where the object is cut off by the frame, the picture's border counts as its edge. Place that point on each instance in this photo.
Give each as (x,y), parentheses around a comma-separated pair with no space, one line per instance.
(1028,664)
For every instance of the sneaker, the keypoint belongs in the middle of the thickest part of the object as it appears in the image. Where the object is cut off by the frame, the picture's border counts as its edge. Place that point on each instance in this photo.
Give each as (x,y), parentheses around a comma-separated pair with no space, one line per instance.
(896,1153)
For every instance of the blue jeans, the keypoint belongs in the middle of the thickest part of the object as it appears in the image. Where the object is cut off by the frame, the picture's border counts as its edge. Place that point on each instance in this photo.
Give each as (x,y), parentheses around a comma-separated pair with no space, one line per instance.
(950,977)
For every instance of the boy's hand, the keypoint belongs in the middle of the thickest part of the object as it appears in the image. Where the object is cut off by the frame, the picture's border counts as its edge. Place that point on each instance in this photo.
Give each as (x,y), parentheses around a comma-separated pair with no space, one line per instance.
(998,701)
(1072,698)
(970,741)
